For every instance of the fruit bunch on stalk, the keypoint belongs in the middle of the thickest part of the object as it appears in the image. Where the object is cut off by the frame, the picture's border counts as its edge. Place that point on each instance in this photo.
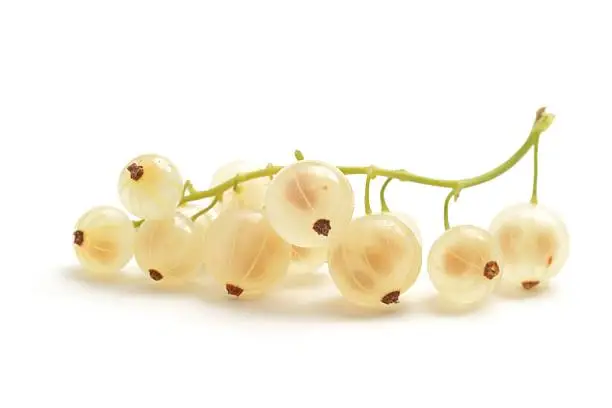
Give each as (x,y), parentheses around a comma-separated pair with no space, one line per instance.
(274,220)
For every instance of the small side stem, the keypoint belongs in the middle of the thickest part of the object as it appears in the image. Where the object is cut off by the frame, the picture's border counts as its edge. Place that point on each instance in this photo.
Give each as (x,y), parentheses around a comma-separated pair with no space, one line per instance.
(366,198)
(205,210)
(534,191)
(138,223)
(446,204)
(383,202)
(188,188)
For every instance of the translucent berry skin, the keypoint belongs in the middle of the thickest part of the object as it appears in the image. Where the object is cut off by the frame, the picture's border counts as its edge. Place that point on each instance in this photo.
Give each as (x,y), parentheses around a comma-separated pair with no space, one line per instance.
(309,201)
(410,223)
(103,240)
(464,264)
(203,223)
(150,187)
(244,253)
(534,243)
(249,195)
(374,260)
(169,250)
(304,260)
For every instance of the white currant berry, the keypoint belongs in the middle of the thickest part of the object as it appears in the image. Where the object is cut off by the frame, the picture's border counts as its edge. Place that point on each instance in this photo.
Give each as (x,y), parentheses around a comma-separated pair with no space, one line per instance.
(103,239)
(249,194)
(169,249)
(309,200)
(307,259)
(534,243)
(374,260)
(150,187)
(244,253)
(464,264)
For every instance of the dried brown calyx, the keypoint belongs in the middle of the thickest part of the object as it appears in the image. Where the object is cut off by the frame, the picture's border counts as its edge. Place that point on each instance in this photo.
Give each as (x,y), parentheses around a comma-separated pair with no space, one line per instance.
(78,237)
(530,284)
(155,275)
(233,290)
(391,297)
(322,227)
(136,171)
(491,270)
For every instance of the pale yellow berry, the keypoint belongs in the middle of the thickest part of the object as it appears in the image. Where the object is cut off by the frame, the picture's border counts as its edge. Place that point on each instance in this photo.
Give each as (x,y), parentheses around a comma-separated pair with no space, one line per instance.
(249,194)
(169,249)
(375,260)
(309,201)
(244,253)
(103,240)
(534,243)
(150,187)
(464,264)
(307,259)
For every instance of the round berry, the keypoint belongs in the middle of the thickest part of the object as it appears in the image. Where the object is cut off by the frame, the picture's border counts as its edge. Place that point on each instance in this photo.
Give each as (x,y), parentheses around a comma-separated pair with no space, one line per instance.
(249,194)
(244,253)
(308,201)
(464,264)
(374,260)
(534,243)
(103,239)
(150,187)
(169,249)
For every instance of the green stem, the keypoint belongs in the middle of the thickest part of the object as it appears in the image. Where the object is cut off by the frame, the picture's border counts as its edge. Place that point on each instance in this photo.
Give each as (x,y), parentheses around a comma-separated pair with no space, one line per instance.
(383,202)
(188,188)
(542,122)
(239,178)
(446,204)
(366,199)
(205,210)
(534,191)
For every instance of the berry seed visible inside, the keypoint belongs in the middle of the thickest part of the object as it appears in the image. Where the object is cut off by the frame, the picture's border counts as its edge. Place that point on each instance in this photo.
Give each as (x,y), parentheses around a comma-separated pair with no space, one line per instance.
(155,275)
(136,171)
(79,237)
(391,297)
(530,284)
(322,227)
(233,290)
(549,261)
(491,270)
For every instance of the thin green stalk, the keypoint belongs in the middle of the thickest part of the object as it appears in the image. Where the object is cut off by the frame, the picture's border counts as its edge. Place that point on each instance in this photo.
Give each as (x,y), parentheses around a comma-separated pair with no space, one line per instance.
(188,188)
(446,204)
(542,122)
(205,210)
(534,191)
(366,199)
(239,178)
(383,189)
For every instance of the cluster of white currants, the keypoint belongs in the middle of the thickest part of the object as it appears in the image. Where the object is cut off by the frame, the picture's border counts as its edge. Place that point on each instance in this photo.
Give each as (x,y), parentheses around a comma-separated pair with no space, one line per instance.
(298,219)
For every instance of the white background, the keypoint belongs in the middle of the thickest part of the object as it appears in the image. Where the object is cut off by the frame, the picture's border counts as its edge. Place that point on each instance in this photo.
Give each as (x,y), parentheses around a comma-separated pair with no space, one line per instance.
(444,89)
